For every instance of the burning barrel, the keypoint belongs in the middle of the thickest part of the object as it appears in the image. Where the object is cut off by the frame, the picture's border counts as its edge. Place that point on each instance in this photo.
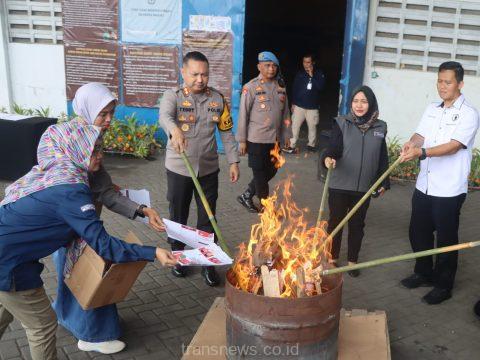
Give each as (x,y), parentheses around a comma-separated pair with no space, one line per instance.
(303,328)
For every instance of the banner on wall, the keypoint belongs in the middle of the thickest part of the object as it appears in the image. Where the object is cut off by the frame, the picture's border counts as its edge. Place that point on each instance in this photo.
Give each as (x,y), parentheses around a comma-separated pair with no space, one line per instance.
(90,20)
(152,21)
(91,62)
(147,72)
(218,48)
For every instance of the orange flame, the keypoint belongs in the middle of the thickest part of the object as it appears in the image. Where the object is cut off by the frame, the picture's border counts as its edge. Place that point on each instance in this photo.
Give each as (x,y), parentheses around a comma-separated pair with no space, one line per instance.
(277,158)
(283,240)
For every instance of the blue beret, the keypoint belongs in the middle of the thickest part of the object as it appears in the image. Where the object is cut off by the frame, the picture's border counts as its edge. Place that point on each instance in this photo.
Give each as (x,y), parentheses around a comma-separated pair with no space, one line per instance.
(268,56)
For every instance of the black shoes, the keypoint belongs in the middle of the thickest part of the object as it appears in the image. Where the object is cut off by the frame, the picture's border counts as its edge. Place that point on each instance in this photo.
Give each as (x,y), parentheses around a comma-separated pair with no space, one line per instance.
(210,275)
(436,296)
(354,273)
(246,199)
(208,272)
(179,271)
(476,308)
(311,148)
(414,281)
(289,150)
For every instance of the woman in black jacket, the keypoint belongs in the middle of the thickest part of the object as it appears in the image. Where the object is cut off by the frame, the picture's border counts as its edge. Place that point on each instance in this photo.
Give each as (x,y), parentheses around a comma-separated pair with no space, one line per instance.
(358,152)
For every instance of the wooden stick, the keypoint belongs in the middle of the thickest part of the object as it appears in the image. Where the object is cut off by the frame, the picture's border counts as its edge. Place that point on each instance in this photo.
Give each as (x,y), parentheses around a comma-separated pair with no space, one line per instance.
(270,282)
(410,256)
(208,210)
(365,197)
(321,211)
(300,282)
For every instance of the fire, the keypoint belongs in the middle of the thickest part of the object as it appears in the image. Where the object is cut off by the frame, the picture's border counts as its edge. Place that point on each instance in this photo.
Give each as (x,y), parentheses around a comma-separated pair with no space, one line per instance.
(277,158)
(284,241)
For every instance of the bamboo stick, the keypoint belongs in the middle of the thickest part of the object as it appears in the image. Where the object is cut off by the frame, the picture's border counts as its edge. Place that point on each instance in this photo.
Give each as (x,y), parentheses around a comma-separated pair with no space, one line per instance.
(221,241)
(321,211)
(410,256)
(365,197)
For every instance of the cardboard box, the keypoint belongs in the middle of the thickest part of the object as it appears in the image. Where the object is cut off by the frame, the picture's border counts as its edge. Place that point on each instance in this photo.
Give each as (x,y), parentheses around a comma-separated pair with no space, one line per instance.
(362,335)
(97,282)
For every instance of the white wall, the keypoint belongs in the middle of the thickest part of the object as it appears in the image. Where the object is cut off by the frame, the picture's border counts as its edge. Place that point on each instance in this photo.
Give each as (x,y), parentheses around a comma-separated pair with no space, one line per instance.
(5,94)
(37,74)
(403,95)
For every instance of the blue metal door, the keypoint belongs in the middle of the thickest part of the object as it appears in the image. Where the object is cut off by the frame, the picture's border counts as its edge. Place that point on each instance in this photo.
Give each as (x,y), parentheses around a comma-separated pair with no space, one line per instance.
(354,50)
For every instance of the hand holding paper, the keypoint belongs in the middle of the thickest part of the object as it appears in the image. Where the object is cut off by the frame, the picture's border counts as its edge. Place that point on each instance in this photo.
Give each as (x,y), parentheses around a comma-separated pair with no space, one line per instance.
(205,252)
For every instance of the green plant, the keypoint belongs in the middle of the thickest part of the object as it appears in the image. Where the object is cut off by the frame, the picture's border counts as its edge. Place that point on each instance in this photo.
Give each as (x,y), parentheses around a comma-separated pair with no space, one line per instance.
(64,117)
(130,137)
(410,169)
(3,109)
(18,109)
(42,112)
(474,177)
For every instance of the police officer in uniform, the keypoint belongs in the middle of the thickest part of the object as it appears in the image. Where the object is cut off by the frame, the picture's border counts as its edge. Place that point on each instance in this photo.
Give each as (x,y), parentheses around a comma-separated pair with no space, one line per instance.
(264,119)
(190,114)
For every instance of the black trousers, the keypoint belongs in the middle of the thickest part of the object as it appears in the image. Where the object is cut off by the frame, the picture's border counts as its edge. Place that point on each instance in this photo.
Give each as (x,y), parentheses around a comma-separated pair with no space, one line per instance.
(340,203)
(441,215)
(179,194)
(263,168)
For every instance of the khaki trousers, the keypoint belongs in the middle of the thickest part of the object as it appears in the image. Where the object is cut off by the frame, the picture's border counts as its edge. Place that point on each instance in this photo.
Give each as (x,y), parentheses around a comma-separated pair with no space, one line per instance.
(298,117)
(32,308)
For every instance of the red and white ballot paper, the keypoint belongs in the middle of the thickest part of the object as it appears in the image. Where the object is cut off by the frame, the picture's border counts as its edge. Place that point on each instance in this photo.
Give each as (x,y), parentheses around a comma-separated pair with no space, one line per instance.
(204,253)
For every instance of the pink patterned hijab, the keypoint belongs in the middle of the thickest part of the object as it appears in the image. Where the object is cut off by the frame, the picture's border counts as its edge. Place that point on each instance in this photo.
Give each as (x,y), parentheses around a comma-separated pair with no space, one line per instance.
(63,157)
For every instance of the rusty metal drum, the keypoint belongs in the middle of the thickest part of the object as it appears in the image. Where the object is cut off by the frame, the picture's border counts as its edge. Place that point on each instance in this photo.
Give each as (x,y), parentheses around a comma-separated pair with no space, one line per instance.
(302,328)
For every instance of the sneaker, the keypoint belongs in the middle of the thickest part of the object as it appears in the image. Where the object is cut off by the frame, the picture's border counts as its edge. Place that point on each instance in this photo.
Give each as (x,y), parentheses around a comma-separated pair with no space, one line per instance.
(210,275)
(247,203)
(289,150)
(179,271)
(354,273)
(311,148)
(105,347)
(436,296)
(414,281)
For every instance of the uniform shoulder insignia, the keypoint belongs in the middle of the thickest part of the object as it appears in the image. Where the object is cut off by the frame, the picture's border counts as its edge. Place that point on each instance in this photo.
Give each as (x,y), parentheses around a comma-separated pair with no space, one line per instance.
(225,123)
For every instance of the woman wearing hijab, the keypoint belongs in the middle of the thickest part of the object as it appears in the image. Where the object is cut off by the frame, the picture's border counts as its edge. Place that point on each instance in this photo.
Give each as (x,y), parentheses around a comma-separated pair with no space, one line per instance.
(43,211)
(358,152)
(97,329)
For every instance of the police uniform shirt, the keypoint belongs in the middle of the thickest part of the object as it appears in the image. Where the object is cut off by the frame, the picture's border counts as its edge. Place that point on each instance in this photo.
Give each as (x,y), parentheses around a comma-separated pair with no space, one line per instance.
(197,116)
(447,175)
(264,115)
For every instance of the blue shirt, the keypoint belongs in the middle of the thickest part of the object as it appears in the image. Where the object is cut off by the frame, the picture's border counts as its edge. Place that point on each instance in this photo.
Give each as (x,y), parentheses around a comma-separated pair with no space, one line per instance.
(36,225)
(304,97)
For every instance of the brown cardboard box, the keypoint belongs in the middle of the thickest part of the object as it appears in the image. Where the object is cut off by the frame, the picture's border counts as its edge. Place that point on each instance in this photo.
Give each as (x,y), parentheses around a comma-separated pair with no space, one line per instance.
(97,282)
(362,335)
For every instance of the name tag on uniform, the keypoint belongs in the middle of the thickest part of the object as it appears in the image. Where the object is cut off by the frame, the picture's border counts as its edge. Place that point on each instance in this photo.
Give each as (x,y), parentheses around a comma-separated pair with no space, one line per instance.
(87,207)
(378,134)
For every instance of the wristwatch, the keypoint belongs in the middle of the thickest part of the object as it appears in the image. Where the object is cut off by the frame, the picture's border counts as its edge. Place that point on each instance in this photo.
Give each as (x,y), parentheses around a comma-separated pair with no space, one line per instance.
(424,154)
(139,212)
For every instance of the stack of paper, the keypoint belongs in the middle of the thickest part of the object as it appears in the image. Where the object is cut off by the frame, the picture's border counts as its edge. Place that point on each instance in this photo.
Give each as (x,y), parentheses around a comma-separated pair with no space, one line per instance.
(205,252)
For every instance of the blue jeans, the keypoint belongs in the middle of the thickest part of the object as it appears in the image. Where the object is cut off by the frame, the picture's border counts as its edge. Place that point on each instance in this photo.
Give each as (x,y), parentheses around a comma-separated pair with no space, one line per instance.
(94,325)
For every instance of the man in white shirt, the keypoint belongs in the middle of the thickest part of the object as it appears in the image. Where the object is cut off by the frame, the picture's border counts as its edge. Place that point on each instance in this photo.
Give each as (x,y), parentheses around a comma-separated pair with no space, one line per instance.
(443,143)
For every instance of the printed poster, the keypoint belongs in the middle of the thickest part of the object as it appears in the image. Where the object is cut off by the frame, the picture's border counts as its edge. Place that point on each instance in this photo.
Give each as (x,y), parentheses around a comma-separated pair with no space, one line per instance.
(218,48)
(147,72)
(152,21)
